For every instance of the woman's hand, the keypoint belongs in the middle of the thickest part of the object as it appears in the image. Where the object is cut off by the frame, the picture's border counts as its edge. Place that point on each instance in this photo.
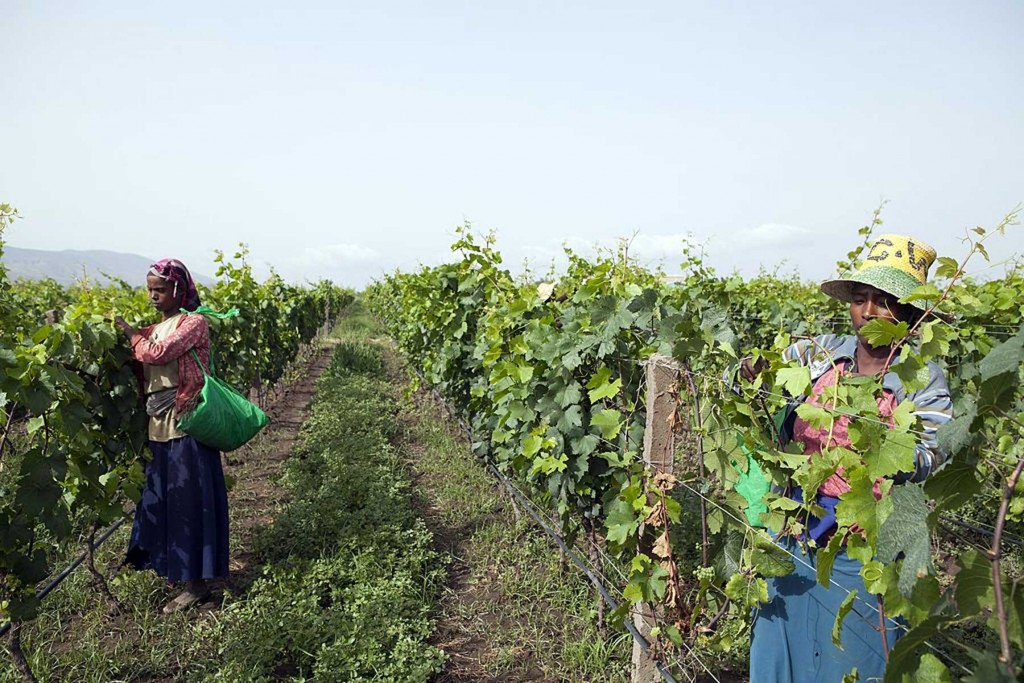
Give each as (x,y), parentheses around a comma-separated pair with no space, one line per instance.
(749,371)
(125,328)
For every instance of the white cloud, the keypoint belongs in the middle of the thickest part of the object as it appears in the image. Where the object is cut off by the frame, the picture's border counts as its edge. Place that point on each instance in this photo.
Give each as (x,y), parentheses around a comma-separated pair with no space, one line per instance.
(335,255)
(771,235)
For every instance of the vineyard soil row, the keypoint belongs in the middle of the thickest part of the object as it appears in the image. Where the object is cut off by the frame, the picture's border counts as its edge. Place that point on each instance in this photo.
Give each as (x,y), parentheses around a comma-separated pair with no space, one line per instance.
(368,544)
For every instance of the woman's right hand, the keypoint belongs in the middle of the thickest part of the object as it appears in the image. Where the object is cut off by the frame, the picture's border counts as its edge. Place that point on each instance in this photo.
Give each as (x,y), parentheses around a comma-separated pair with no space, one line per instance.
(121,324)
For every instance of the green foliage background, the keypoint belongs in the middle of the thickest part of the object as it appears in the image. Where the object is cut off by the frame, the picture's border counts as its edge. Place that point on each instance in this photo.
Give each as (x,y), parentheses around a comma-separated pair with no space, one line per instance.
(552,381)
(72,427)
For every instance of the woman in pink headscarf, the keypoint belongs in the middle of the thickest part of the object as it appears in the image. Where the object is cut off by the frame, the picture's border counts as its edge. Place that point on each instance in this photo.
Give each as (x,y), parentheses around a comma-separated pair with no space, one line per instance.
(181,522)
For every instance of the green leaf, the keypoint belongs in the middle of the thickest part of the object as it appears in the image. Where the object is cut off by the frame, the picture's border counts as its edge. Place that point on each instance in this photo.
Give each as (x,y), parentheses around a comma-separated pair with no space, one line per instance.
(956,436)
(858,506)
(816,416)
(904,416)
(609,422)
(796,381)
(601,388)
(975,592)
(837,625)
(673,635)
(974,583)
(905,531)
(532,445)
(895,454)
(747,590)
(912,370)
(988,669)
(925,292)
(930,670)
(826,559)
(935,338)
(881,332)
(570,419)
(904,657)
(954,485)
(946,267)
(1003,359)
(621,522)
(768,559)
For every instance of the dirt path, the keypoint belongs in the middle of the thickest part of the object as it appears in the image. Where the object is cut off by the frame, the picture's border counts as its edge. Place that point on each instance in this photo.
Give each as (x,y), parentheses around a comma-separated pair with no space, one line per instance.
(509,612)
(255,468)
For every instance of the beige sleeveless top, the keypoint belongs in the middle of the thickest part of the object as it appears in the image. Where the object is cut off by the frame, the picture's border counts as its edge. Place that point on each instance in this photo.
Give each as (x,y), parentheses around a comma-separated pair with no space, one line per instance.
(160,377)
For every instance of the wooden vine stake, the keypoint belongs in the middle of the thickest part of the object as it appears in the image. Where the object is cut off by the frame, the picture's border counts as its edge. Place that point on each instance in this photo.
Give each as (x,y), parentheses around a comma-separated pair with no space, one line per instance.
(659,442)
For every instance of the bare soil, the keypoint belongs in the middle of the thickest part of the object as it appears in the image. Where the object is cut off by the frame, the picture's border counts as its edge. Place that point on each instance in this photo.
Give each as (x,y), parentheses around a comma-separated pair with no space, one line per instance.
(465,609)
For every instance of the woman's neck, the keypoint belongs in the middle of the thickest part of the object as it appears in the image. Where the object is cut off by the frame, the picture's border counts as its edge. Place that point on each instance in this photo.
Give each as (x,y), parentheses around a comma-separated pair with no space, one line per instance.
(871,359)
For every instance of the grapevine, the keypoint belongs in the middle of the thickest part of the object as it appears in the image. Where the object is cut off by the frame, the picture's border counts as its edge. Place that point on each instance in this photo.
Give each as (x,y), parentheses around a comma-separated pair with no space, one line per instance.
(549,376)
(71,424)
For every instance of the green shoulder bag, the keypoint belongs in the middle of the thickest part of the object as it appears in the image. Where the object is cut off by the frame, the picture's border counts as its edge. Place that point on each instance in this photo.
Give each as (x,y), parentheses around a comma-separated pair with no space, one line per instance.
(222,419)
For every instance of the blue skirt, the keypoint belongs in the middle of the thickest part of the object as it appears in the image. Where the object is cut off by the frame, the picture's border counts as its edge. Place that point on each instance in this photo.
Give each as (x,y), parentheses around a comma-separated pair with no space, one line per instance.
(792,635)
(181,523)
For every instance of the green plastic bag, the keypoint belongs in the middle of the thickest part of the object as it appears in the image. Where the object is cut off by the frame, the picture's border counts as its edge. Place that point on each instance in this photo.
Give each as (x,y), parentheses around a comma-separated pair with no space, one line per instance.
(752,485)
(222,419)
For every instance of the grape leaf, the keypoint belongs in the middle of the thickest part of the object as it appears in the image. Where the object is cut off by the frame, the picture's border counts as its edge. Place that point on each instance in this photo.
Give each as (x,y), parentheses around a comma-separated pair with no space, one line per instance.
(837,625)
(609,422)
(896,454)
(858,506)
(881,332)
(747,590)
(1004,358)
(601,388)
(930,670)
(905,531)
(796,381)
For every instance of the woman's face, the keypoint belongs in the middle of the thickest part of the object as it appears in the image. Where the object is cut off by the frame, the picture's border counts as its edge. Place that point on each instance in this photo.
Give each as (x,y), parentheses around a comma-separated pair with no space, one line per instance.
(161,294)
(870,303)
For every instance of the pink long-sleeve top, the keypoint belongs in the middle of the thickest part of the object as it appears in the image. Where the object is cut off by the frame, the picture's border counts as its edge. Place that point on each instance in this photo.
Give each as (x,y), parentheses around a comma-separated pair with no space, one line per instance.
(192,332)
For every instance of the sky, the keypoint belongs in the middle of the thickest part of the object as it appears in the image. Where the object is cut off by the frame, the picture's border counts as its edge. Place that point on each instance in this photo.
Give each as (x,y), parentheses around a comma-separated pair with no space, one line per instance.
(345,140)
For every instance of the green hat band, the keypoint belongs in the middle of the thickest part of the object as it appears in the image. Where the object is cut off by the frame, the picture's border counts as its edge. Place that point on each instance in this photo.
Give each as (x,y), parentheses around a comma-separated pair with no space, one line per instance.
(886,278)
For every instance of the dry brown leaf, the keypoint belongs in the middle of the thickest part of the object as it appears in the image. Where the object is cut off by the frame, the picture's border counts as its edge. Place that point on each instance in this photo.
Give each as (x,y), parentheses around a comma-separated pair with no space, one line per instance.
(662,547)
(657,515)
(665,482)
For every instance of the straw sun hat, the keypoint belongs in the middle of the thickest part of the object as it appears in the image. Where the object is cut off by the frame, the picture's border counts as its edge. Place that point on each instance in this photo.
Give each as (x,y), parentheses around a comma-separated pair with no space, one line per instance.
(896,264)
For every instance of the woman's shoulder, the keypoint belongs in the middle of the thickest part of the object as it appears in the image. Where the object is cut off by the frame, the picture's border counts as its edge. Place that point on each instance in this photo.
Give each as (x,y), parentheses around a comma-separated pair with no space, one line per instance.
(193,321)
(824,347)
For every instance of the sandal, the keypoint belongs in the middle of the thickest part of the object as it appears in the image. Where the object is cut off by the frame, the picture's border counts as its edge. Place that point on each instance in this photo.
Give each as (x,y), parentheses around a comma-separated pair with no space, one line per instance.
(186,599)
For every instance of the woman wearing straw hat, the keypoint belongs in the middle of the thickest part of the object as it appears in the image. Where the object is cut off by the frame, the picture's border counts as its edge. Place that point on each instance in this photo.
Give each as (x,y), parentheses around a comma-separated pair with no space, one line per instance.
(792,633)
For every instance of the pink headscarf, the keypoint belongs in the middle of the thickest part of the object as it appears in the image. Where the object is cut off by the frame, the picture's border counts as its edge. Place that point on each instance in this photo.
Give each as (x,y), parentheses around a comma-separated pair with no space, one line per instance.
(174,271)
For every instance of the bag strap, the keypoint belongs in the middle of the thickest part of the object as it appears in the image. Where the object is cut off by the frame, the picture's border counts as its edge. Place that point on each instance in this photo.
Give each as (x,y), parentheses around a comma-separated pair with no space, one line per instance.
(196,356)
(207,311)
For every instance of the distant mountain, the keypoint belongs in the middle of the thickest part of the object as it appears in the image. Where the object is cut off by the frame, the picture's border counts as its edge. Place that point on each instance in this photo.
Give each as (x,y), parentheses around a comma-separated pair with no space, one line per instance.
(69,265)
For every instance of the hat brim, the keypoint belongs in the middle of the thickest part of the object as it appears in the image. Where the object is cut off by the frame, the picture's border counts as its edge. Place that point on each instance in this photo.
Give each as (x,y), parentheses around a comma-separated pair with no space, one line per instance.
(890,280)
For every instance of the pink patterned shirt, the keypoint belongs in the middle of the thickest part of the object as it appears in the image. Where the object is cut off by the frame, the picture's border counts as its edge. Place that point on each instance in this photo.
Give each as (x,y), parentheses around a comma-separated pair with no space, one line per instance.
(817,440)
(192,332)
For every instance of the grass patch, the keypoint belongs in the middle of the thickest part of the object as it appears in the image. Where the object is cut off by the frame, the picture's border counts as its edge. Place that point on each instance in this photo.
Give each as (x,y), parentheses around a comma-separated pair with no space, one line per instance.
(349,577)
(511,611)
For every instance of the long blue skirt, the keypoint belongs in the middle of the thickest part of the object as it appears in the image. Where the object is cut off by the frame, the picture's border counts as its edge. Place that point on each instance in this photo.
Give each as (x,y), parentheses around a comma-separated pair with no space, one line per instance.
(181,523)
(792,635)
